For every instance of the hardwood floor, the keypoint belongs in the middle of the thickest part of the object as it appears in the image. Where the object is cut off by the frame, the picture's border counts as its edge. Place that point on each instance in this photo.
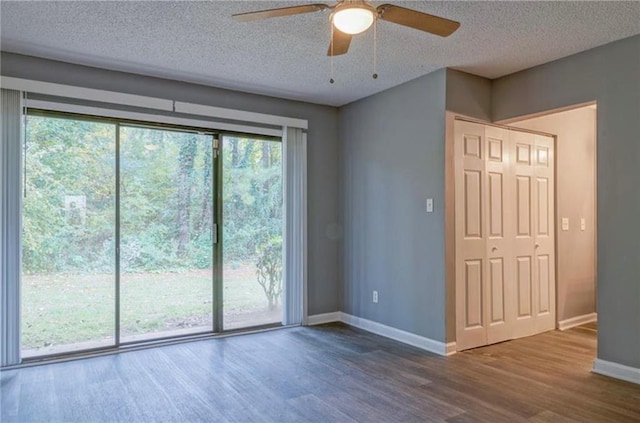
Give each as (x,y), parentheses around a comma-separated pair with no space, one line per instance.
(330,373)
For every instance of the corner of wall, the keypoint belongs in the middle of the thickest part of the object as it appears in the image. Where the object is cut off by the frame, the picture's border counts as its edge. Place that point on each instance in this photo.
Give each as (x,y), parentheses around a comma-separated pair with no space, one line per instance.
(468,94)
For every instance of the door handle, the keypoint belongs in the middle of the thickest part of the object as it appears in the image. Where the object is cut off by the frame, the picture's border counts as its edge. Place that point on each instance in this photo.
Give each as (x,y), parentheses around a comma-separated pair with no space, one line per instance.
(494,248)
(537,245)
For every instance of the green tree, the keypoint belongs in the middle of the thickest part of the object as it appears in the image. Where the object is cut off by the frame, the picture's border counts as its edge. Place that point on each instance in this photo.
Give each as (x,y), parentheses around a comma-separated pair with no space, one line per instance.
(186,159)
(269,270)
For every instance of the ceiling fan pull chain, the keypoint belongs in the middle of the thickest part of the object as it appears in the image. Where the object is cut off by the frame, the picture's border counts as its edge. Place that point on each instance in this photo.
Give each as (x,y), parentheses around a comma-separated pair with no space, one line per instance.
(375,49)
(331,80)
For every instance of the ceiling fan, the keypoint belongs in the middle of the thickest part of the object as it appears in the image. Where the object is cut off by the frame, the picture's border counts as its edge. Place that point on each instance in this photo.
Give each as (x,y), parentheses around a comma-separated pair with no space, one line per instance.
(351,17)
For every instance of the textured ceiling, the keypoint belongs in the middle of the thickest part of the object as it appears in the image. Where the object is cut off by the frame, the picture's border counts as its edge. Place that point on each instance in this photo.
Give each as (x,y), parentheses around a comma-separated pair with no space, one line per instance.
(285,57)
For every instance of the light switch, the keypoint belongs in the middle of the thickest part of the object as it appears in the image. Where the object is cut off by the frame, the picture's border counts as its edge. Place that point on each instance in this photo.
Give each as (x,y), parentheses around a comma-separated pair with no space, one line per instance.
(565,223)
(429,205)
(583,224)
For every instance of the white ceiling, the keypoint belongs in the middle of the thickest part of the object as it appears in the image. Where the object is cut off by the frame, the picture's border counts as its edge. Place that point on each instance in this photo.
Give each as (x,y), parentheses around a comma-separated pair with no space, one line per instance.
(286,57)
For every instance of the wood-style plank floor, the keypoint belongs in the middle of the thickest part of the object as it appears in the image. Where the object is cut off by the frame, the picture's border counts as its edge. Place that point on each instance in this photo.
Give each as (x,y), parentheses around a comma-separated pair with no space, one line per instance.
(330,373)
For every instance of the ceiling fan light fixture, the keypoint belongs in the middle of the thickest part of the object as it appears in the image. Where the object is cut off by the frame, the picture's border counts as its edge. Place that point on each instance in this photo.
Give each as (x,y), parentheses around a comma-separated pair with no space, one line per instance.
(353,19)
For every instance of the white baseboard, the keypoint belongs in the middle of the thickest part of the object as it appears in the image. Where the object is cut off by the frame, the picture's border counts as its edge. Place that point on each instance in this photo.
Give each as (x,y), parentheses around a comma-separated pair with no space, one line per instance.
(405,337)
(577,321)
(451,348)
(618,371)
(319,319)
(418,341)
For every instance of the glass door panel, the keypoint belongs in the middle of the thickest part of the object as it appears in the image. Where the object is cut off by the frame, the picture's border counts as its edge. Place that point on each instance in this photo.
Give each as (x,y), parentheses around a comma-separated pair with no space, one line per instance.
(252,208)
(68,240)
(118,234)
(166,247)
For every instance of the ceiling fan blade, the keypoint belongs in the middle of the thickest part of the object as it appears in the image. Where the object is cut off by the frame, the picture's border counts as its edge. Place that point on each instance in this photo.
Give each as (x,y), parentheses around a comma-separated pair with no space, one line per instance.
(418,20)
(284,11)
(341,43)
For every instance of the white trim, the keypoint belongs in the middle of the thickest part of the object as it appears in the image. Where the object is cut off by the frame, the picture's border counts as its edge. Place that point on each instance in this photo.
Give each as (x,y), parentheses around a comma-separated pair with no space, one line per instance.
(320,319)
(219,112)
(70,91)
(451,348)
(421,342)
(123,114)
(618,371)
(418,341)
(577,321)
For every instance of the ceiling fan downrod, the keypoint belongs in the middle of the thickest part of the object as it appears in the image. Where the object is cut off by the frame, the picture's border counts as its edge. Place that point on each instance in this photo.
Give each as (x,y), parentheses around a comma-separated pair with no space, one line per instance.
(375,49)
(331,80)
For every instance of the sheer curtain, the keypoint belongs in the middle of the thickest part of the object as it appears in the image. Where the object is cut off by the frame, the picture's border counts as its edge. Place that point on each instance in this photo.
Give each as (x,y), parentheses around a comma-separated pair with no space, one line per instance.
(295,228)
(10,224)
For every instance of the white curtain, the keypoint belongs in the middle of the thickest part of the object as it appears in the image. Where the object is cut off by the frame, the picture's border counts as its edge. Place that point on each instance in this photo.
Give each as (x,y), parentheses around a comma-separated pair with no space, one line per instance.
(295,228)
(10,224)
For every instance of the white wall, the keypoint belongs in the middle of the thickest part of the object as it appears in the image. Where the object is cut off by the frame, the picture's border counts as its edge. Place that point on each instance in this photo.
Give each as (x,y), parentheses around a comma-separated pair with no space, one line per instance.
(575,195)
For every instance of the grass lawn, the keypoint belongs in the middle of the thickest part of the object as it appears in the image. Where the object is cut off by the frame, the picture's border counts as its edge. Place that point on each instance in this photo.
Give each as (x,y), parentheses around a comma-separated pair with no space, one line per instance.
(65,309)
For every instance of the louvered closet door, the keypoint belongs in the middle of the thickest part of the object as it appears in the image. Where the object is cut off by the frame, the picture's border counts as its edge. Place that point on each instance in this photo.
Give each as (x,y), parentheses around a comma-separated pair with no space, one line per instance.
(470,229)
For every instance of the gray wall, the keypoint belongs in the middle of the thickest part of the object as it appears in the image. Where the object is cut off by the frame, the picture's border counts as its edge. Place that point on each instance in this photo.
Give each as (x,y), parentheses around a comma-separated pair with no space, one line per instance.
(610,75)
(392,159)
(575,152)
(322,148)
(469,95)
(392,155)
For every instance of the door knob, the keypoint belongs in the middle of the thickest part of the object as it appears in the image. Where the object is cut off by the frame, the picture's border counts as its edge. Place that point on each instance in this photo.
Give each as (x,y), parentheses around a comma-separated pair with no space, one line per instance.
(537,245)
(494,248)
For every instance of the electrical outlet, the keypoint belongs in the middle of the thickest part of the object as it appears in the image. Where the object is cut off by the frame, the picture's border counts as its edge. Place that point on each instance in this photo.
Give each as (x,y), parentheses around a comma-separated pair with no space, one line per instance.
(583,224)
(429,205)
(375,297)
(565,223)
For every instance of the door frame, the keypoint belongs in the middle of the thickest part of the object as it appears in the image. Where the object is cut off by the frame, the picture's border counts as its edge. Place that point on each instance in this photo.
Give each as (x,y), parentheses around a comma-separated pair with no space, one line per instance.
(589,104)
(217,328)
(116,104)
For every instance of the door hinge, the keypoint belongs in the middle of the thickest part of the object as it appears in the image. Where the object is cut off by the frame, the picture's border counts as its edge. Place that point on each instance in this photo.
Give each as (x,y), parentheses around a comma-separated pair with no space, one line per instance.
(214,233)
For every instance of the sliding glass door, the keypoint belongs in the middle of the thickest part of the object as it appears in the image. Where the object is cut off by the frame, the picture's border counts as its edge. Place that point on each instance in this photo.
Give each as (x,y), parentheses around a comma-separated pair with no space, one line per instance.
(166,239)
(252,231)
(134,232)
(68,242)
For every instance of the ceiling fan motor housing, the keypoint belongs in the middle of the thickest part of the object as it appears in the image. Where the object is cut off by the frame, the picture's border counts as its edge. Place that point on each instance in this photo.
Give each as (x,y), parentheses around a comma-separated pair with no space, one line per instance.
(353,16)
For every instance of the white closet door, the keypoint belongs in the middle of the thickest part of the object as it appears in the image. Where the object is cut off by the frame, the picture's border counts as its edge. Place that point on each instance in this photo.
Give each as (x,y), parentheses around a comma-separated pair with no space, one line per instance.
(522,203)
(499,295)
(504,245)
(544,268)
(471,330)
